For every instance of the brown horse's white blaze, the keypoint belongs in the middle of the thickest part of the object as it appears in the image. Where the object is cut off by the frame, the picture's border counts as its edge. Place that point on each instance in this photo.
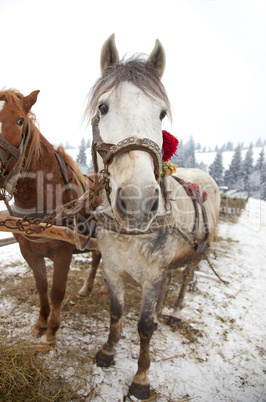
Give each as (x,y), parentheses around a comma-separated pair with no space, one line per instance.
(129,100)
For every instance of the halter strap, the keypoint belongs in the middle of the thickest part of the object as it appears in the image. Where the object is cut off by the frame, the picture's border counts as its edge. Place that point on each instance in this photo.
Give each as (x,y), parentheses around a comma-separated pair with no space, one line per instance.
(109,151)
(9,147)
(6,147)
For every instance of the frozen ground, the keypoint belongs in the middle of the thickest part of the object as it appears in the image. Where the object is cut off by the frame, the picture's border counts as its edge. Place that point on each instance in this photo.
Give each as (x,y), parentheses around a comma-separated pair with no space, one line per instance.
(219,353)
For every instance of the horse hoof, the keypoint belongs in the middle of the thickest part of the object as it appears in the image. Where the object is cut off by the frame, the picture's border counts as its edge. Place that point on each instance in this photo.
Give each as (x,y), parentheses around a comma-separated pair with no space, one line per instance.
(104,295)
(103,360)
(82,294)
(174,322)
(104,292)
(38,332)
(45,347)
(140,391)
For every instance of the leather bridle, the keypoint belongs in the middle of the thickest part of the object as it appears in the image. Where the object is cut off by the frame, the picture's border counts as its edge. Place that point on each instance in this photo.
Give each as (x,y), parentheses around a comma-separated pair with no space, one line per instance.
(109,151)
(7,148)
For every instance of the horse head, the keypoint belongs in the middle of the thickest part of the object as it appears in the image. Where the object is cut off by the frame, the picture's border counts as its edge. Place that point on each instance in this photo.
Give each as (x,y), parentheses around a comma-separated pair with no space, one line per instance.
(14,112)
(129,103)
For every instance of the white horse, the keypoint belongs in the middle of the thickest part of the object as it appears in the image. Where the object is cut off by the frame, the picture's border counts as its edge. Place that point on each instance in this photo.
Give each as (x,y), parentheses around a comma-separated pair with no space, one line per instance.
(146,225)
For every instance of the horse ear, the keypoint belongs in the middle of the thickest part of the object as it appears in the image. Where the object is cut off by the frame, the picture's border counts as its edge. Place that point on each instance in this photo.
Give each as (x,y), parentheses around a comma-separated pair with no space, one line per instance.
(109,54)
(30,100)
(157,58)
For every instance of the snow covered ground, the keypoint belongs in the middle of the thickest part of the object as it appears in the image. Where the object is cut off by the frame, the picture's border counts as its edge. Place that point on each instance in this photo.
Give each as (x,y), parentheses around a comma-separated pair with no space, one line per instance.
(219,353)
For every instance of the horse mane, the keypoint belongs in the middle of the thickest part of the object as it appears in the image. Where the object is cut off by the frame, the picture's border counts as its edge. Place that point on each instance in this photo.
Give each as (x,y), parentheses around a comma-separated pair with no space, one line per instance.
(135,70)
(80,179)
(34,146)
(13,97)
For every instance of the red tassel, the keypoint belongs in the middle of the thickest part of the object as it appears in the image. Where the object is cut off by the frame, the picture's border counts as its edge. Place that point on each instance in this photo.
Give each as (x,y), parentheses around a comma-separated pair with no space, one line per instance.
(170,144)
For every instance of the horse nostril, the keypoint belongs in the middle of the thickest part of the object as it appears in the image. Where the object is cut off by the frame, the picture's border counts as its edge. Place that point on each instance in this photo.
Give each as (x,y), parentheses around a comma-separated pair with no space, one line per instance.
(120,204)
(155,205)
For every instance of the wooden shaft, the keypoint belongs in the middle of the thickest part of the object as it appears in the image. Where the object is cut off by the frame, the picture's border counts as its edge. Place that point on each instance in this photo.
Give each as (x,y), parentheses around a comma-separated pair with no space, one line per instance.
(53,232)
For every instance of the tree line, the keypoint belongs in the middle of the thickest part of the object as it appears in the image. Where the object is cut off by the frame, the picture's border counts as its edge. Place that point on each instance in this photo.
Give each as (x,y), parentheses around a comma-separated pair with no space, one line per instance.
(243,174)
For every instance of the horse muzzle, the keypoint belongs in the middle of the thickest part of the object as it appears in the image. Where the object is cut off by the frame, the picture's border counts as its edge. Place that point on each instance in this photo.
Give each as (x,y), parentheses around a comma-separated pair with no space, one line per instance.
(135,208)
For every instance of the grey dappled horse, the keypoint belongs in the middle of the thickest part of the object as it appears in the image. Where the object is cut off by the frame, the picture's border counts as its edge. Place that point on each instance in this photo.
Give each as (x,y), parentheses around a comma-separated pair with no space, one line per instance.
(146,225)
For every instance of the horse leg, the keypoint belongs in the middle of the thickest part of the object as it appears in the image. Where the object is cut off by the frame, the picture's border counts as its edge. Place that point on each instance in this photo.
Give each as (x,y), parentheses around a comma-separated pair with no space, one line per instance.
(61,267)
(39,272)
(105,356)
(175,318)
(88,283)
(37,264)
(140,386)
(164,292)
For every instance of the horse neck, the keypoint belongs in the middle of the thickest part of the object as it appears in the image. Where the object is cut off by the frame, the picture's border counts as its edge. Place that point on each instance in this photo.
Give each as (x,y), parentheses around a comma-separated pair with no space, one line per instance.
(38,186)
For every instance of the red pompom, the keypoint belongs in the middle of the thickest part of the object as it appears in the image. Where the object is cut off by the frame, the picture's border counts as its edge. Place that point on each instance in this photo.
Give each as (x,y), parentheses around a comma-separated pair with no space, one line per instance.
(170,144)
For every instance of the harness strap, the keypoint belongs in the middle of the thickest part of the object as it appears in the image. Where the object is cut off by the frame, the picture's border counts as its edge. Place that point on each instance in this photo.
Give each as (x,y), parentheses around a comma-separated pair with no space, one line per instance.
(9,147)
(81,224)
(66,178)
(198,198)
(96,138)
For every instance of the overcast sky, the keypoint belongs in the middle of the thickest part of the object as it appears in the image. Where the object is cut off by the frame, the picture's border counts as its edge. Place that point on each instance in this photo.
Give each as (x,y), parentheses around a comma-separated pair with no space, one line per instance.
(215,74)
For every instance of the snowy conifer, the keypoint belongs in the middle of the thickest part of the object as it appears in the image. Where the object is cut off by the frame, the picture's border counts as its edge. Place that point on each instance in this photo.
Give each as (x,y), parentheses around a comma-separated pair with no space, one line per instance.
(247,167)
(216,169)
(234,174)
(82,158)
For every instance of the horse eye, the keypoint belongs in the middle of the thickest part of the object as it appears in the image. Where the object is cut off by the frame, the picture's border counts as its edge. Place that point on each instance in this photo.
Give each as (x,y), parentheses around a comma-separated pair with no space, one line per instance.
(20,122)
(103,108)
(162,115)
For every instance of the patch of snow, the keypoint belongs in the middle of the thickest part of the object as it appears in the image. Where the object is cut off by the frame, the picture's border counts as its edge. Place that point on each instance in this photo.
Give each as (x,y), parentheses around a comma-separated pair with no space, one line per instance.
(225,360)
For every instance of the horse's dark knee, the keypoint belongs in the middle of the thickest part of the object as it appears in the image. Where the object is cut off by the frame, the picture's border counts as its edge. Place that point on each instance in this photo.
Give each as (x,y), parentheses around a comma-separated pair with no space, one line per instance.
(146,327)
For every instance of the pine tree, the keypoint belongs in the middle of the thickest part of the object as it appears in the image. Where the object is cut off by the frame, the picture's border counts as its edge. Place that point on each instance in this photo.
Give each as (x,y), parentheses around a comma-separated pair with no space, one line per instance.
(263,182)
(260,161)
(229,146)
(247,167)
(189,154)
(178,158)
(216,169)
(82,158)
(259,143)
(233,175)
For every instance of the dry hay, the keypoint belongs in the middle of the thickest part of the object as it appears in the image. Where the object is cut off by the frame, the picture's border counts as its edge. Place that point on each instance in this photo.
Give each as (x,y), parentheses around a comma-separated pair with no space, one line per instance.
(232,205)
(63,376)
(25,376)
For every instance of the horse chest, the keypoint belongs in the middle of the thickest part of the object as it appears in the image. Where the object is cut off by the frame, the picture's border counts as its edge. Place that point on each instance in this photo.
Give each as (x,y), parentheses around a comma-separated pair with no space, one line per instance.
(140,256)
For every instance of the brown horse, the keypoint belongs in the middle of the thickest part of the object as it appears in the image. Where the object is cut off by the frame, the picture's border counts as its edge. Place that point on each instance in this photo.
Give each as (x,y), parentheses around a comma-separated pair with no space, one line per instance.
(40,179)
